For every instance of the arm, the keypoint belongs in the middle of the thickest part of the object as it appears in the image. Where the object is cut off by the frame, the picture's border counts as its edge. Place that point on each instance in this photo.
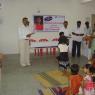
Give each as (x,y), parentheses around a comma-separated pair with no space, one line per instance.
(31,30)
(29,35)
(67,42)
(84,82)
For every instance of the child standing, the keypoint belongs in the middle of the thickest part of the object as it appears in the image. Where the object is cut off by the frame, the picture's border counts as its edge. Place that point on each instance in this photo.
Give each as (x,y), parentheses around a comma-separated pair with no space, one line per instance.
(63,51)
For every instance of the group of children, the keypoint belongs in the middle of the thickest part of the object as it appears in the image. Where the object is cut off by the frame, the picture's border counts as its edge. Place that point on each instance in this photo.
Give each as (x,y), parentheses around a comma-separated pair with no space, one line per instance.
(76,81)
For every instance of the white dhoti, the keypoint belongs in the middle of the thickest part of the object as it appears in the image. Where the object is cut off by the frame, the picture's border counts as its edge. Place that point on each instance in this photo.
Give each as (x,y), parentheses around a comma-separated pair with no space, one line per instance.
(24,52)
(86,51)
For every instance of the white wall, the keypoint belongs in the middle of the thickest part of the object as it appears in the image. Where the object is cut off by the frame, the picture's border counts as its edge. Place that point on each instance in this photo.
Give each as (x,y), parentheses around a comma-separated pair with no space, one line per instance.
(13,10)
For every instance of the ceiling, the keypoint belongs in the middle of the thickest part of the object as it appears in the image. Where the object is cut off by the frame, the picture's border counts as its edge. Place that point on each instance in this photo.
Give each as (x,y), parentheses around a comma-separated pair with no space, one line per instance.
(86,1)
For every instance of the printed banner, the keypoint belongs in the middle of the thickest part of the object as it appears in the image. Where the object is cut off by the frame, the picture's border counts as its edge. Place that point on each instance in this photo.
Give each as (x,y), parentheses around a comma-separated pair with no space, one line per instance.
(48,23)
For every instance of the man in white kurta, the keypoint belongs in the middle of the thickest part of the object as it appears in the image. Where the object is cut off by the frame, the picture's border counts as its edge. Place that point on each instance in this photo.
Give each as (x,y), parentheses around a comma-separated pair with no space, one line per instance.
(87,46)
(67,33)
(65,29)
(25,32)
(77,36)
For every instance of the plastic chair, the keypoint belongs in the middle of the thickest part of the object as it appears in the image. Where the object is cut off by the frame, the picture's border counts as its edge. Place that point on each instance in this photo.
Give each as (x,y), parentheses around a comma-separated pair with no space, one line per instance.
(40,51)
(35,50)
(53,50)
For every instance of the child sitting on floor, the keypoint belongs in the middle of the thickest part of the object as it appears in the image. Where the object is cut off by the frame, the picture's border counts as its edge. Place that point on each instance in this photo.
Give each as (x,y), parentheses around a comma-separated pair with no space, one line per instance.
(75,82)
(75,79)
(63,58)
(89,80)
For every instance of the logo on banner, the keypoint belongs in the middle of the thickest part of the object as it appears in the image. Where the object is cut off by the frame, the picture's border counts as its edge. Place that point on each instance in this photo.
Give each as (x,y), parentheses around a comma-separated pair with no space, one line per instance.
(49,18)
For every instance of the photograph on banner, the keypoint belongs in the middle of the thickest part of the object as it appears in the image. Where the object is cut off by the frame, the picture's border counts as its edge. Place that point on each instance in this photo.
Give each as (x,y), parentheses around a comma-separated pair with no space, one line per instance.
(48,23)
(38,23)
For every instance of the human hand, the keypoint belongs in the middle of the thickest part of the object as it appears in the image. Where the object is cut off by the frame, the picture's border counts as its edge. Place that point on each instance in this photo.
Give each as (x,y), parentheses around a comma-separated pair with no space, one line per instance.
(28,35)
(32,33)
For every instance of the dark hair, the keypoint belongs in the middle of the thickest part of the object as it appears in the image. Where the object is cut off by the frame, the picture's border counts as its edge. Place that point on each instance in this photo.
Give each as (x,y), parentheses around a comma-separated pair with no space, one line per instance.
(65,21)
(92,70)
(61,33)
(74,69)
(79,21)
(86,22)
(87,66)
(24,18)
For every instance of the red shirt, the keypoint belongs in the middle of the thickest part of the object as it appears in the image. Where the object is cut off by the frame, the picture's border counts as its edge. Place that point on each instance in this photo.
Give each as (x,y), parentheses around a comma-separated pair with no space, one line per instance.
(39,27)
(75,83)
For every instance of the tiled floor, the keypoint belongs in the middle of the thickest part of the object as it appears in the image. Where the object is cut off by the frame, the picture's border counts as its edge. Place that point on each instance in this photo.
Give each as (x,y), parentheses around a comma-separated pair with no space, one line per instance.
(17,80)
